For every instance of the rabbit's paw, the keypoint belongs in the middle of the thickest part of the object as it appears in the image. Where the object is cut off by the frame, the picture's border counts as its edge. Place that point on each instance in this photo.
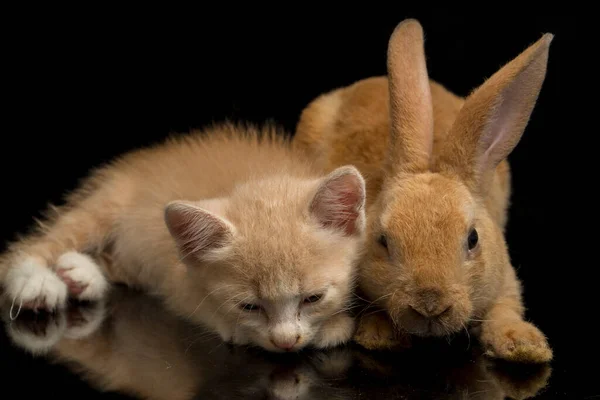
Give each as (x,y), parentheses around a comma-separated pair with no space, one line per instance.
(30,284)
(517,341)
(376,331)
(81,275)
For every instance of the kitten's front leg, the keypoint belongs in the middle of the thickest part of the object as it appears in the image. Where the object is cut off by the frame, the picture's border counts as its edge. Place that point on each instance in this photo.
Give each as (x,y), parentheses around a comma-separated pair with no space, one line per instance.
(335,331)
(40,270)
(505,335)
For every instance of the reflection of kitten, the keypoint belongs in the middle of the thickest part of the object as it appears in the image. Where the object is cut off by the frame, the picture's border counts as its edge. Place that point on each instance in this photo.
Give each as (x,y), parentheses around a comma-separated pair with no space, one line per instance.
(233,231)
(135,341)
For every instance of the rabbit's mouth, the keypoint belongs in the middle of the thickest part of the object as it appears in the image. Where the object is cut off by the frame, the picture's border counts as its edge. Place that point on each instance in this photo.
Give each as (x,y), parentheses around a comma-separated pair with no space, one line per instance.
(447,321)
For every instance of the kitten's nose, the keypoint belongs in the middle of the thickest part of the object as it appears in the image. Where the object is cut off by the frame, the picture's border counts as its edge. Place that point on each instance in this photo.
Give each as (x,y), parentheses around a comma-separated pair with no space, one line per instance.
(285,344)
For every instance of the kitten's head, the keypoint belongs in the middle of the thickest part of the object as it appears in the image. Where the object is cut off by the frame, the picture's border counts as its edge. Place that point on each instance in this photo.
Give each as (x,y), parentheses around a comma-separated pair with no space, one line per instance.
(276,259)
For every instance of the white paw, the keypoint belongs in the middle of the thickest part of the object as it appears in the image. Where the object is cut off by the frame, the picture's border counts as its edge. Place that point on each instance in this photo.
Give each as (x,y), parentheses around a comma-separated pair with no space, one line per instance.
(81,275)
(31,284)
(336,331)
(83,321)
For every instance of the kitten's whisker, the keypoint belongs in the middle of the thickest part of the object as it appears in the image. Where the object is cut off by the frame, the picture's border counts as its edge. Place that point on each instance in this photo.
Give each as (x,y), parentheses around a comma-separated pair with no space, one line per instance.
(468,335)
(374,301)
(222,304)
(205,297)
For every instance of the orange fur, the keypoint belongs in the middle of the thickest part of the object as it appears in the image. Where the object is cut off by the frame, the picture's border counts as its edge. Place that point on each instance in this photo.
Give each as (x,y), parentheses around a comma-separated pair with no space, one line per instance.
(230,226)
(436,168)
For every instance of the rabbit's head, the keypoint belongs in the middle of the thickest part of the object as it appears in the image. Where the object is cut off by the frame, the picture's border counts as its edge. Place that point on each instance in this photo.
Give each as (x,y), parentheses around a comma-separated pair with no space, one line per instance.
(437,258)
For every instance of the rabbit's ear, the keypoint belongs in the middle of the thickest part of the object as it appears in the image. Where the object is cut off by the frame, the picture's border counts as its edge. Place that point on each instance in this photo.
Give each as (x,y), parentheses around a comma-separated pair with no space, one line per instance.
(411,110)
(494,116)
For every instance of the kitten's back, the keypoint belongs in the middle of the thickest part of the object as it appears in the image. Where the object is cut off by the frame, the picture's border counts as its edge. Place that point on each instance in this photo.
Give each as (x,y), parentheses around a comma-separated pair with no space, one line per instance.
(211,162)
(201,165)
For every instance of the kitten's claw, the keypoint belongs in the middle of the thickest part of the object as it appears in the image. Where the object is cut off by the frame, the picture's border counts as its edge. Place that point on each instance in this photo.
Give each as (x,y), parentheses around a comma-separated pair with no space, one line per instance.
(81,275)
(30,284)
(336,331)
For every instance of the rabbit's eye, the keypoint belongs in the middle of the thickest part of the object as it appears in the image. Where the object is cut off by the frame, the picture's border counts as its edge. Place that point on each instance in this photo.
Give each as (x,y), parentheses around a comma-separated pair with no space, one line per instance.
(473,239)
(382,240)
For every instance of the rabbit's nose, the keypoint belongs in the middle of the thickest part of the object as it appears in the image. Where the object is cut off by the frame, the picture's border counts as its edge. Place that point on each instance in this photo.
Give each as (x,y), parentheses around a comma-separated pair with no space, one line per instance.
(430,303)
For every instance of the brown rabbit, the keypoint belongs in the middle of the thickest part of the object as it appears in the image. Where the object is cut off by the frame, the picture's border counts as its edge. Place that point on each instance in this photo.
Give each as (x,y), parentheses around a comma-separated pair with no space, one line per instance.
(438,191)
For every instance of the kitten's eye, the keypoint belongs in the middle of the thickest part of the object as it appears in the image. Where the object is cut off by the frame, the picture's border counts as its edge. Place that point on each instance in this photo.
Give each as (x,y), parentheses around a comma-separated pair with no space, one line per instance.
(382,240)
(473,239)
(249,307)
(313,298)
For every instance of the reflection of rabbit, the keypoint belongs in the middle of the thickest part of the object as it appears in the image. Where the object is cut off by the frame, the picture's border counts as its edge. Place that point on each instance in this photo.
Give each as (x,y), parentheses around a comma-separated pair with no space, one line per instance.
(126,342)
(438,188)
(462,374)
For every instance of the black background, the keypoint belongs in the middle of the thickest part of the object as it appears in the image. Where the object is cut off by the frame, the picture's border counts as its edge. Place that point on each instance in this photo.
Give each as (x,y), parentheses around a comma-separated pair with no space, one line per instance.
(84,86)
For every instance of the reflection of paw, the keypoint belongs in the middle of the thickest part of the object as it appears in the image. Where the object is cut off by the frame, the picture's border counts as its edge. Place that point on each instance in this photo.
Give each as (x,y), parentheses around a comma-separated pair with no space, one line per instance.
(333,363)
(30,284)
(82,276)
(517,341)
(520,383)
(376,331)
(37,333)
(85,320)
(335,331)
(367,361)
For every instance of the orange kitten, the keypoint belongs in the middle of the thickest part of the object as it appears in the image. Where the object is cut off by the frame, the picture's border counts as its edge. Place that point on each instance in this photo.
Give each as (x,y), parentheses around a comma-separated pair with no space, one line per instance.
(229,226)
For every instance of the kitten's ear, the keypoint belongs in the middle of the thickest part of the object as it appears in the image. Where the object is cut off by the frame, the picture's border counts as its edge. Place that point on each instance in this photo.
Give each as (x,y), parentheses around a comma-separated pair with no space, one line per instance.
(196,227)
(339,201)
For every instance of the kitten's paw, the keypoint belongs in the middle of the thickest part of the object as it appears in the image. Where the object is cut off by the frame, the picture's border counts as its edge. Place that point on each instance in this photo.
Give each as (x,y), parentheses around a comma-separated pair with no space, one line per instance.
(376,331)
(30,284)
(517,341)
(81,275)
(336,331)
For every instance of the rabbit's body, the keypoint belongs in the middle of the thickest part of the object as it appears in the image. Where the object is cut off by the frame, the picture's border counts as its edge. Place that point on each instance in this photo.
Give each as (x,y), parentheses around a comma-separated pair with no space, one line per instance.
(438,189)
(352,125)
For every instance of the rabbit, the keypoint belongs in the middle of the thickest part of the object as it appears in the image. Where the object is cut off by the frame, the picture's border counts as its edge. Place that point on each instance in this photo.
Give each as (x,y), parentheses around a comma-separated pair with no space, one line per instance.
(438,191)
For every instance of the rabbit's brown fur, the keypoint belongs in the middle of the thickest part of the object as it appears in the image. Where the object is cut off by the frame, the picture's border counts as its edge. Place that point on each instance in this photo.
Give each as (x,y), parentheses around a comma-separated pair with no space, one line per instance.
(436,168)
(352,123)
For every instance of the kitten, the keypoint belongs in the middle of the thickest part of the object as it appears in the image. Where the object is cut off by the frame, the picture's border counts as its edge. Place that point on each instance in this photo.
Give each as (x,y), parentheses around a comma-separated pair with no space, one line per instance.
(232,228)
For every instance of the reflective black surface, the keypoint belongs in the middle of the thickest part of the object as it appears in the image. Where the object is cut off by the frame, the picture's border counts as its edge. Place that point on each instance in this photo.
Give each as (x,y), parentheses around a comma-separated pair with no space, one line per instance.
(130,344)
